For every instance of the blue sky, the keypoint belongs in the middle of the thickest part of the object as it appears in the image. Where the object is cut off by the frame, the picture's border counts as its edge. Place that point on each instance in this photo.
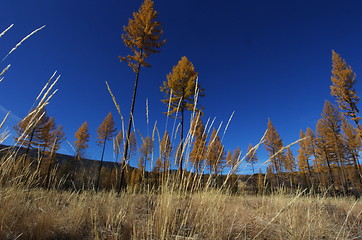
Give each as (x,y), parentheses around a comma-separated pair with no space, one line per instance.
(258,58)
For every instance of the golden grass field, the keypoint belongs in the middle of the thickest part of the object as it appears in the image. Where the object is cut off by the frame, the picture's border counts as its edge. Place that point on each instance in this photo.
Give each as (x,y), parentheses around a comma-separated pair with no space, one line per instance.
(41,214)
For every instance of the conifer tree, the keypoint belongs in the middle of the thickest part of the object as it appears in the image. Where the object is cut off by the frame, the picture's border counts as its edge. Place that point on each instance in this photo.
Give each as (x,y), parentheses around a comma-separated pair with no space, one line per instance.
(229,158)
(105,132)
(46,136)
(235,159)
(197,154)
(163,161)
(82,139)
(352,142)
(289,163)
(215,153)
(146,151)
(304,154)
(330,140)
(57,137)
(28,130)
(181,92)
(251,157)
(117,144)
(343,89)
(274,144)
(143,37)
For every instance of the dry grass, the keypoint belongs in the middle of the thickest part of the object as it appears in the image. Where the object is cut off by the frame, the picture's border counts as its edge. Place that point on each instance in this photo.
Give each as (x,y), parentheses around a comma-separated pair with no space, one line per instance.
(40,214)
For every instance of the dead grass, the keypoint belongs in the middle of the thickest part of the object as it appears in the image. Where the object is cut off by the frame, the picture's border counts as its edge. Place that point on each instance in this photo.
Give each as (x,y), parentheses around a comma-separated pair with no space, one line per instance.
(40,214)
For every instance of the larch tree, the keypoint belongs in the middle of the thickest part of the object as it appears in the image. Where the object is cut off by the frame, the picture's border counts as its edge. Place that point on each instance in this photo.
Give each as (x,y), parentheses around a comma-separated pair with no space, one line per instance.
(143,37)
(236,160)
(81,144)
(274,145)
(289,163)
(163,161)
(28,130)
(343,88)
(323,156)
(229,157)
(197,154)
(105,132)
(251,157)
(352,143)
(233,163)
(330,139)
(182,92)
(146,151)
(82,139)
(117,144)
(57,137)
(304,153)
(215,155)
(46,136)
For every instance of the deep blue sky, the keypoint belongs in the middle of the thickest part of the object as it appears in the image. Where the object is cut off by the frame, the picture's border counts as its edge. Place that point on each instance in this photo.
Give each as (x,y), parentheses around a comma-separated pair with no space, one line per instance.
(258,58)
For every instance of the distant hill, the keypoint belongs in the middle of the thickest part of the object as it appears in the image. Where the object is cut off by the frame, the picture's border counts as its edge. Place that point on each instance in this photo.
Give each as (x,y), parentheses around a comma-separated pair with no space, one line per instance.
(61,158)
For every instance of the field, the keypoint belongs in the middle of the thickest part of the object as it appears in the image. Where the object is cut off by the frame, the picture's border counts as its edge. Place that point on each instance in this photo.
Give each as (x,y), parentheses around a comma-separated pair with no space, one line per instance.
(40,214)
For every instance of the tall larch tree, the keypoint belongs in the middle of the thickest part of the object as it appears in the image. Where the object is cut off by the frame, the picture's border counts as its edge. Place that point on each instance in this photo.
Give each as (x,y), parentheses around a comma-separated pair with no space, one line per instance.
(343,88)
(274,144)
(82,139)
(197,154)
(143,37)
(105,133)
(182,92)
(251,157)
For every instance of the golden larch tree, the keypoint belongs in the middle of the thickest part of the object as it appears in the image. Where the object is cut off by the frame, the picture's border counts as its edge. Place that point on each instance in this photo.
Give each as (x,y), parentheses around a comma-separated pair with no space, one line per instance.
(352,143)
(105,132)
(28,130)
(82,139)
(182,92)
(146,151)
(251,157)
(215,155)
(165,153)
(330,141)
(57,137)
(274,145)
(197,154)
(117,144)
(343,88)
(142,36)
(304,154)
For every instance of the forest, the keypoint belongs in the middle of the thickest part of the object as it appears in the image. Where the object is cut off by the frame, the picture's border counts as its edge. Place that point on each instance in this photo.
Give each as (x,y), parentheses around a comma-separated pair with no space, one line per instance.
(186,184)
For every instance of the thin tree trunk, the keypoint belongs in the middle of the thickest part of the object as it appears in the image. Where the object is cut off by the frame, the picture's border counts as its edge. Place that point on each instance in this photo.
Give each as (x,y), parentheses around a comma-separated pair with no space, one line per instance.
(123,165)
(101,163)
(28,147)
(182,144)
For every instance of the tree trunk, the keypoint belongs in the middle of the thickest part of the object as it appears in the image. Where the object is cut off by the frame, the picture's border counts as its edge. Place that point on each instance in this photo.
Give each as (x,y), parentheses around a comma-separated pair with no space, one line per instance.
(123,165)
(100,165)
